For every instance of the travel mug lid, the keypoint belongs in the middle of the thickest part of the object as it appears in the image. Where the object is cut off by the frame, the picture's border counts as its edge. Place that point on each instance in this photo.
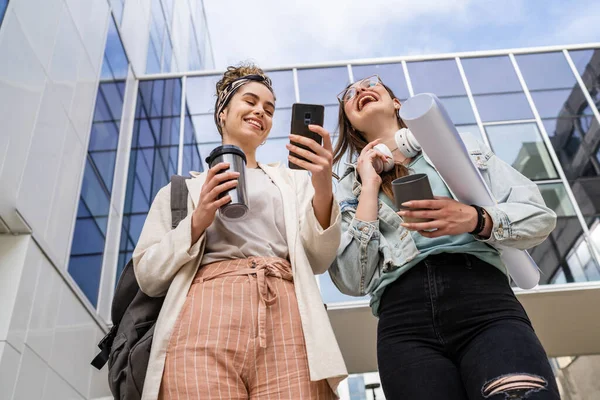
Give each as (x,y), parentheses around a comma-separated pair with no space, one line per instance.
(225,149)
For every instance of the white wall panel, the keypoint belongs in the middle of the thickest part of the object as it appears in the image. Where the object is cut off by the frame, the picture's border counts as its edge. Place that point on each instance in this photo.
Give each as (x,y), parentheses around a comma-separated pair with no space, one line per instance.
(43,161)
(67,52)
(44,311)
(22,82)
(24,298)
(9,365)
(32,376)
(40,26)
(74,342)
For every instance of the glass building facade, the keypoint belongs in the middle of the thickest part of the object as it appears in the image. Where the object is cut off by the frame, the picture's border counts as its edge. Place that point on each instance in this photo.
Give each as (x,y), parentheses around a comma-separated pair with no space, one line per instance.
(106,99)
(538,112)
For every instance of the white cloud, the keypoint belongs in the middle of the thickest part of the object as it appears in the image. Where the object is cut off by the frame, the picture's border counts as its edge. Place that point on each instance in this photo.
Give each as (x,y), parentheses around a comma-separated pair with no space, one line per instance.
(279,32)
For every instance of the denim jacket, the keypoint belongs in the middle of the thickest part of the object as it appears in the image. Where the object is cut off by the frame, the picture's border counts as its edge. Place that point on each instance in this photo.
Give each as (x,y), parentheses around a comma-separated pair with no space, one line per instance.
(369,249)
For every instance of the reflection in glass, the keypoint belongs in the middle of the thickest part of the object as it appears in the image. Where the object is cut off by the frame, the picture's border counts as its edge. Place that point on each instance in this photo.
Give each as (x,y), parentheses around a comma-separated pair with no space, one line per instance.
(154,154)
(321,85)
(115,63)
(3,4)
(503,107)
(89,237)
(391,74)
(546,71)
(521,146)
(588,65)
(556,198)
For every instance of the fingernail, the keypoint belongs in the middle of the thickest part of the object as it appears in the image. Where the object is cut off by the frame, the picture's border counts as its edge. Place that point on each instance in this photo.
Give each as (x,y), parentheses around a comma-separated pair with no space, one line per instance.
(407,204)
(401,212)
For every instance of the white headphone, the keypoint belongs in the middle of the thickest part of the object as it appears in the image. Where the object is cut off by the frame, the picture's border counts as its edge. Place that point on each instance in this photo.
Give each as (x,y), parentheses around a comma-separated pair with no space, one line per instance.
(407,145)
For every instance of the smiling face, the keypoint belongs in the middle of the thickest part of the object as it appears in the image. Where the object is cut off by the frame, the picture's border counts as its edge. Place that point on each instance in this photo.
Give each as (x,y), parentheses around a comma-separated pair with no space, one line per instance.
(369,105)
(248,118)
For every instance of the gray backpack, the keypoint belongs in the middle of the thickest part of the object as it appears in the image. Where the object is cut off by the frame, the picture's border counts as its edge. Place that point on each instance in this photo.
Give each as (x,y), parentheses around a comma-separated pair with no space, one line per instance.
(127,345)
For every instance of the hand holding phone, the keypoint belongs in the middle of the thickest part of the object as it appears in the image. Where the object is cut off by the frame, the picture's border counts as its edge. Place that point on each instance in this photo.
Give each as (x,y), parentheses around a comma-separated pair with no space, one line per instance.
(304,115)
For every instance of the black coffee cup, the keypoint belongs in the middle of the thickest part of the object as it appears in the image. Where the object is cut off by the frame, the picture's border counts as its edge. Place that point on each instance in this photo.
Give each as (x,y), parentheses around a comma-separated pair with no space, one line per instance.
(411,187)
(238,206)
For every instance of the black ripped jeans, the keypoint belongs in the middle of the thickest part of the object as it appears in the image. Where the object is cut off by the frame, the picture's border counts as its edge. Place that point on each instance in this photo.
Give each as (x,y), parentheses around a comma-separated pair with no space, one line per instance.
(452,329)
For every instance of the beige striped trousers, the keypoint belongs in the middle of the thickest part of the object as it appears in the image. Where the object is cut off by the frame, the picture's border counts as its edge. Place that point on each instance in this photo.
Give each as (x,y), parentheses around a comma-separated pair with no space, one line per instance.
(239,336)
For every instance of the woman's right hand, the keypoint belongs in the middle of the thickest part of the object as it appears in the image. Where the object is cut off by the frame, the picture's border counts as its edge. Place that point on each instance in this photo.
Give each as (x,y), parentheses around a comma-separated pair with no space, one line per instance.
(364,166)
(208,204)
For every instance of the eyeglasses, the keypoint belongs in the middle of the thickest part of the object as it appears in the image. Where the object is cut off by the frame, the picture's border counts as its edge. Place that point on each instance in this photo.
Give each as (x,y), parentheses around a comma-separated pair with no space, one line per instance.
(349,93)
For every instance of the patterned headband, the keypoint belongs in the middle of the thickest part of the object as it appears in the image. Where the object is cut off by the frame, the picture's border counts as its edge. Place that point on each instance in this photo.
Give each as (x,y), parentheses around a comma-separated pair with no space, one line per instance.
(227,93)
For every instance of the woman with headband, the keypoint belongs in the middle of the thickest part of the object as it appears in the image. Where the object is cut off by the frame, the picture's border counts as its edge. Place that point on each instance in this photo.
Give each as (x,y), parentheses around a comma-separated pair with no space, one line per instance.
(243,316)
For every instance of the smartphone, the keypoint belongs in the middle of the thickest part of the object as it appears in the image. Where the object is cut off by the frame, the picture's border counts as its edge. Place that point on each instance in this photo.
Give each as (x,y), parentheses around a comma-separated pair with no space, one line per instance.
(302,116)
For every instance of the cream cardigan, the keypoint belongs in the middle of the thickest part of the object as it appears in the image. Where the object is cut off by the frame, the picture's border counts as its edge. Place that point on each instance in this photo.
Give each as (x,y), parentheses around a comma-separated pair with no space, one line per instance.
(165,261)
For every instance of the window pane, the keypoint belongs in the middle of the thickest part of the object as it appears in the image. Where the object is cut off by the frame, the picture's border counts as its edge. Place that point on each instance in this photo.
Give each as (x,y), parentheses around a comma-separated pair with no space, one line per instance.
(588,65)
(282,121)
(459,109)
(273,150)
(439,77)
(104,136)
(153,60)
(581,59)
(86,271)
(555,196)
(200,94)
(283,86)
(503,107)
(331,294)
(321,85)
(554,103)
(546,71)
(115,64)
(154,153)
(491,75)
(87,249)
(204,128)
(3,4)
(521,146)
(391,74)
(331,119)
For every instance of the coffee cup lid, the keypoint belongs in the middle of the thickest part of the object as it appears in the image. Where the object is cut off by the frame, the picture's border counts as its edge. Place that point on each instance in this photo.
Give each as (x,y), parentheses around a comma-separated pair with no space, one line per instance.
(225,149)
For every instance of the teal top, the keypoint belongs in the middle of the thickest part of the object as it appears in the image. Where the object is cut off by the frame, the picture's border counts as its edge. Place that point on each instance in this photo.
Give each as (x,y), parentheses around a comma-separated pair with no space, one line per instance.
(463,243)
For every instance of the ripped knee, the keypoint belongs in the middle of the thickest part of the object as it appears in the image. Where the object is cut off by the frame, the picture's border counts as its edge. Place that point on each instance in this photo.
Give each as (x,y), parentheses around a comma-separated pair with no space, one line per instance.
(514,386)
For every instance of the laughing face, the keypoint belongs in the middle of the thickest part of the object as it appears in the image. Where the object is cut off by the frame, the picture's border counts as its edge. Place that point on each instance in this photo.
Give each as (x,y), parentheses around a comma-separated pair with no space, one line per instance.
(248,118)
(368,105)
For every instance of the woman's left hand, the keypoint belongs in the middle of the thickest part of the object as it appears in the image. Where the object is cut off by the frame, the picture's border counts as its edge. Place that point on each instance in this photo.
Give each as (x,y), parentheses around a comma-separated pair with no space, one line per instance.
(448,217)
(320,160)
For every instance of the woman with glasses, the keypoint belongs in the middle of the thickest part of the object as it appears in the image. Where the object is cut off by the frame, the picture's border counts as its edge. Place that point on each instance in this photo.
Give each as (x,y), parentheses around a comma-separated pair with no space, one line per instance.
(243,317)
(450,326)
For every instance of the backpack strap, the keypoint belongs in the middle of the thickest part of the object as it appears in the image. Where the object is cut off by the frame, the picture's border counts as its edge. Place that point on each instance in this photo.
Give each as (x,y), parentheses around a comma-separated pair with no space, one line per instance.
(179,195)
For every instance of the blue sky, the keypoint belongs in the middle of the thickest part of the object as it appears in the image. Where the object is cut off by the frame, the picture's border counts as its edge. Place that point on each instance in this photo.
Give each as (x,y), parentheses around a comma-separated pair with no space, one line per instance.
(281,32)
